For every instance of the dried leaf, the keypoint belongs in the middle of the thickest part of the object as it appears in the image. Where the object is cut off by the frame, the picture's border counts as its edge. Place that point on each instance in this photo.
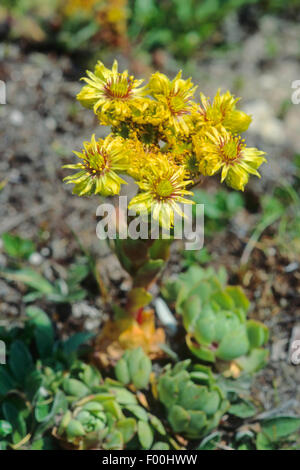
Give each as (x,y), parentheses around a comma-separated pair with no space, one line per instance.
(117,336)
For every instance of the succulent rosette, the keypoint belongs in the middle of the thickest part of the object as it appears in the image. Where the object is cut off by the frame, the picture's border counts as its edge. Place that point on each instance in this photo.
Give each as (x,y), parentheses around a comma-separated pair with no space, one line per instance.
(215,318)
(194,402)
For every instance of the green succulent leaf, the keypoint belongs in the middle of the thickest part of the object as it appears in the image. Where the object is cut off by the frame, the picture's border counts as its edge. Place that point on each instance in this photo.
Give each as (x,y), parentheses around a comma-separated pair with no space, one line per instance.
(254,361)
(122,371)
(59,406)
(157,424)
(114,441)
(191,309)
(258,333)
(179,418)
(90,376)
(239,297)
(64,422)
(224,300)
(145,434)
(75,388)
(41,410)
(75,429)
(124,397)
(139,412)
(127,427)
(205,326)
(168,391)
(140,367)
(160,446)
(198,423)
(113,408)
(201,352)
(234,344)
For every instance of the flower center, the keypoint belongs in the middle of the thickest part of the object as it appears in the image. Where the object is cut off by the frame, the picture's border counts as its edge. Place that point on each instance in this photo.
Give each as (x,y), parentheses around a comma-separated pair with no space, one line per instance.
(118,88)
(177,105)
(231,151)
(97,163)
(164,189)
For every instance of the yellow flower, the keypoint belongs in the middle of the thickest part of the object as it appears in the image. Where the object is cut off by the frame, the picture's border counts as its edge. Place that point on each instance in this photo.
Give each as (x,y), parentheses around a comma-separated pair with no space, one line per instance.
(229,154)
(71,7)
(140,155)
(152,112)
(162,138)
(183,154)
(101,161)
(163,187)
(111,92)
(117,13)
(176,96)
(144,124)
(221,112)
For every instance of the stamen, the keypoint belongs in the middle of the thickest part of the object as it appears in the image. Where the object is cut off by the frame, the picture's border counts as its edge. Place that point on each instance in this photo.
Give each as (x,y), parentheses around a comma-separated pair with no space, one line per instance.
(118,88)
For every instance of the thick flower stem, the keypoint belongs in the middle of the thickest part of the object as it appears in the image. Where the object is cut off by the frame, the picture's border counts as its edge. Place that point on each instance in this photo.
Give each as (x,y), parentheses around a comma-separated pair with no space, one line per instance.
(143,260)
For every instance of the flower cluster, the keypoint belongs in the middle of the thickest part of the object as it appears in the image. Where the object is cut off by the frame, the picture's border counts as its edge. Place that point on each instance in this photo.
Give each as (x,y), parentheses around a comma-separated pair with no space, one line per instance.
(162,138)
(110,15)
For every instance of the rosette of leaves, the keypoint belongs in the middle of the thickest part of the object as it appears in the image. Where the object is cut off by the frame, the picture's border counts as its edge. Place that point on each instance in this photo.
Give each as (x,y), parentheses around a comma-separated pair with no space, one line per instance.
(109,418)
(135,368)
(31,381)
(194,402)
(88,425)
(215,318)
(44,383)
(104,414)
(44,387)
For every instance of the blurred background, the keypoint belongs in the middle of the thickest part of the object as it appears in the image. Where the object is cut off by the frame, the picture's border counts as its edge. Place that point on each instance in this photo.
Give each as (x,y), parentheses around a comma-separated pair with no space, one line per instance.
(250,47)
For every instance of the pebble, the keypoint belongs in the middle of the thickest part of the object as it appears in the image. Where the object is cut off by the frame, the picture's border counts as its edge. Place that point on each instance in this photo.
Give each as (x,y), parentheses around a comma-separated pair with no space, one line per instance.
(16,118)
(264,123)
(92,324)
(35,259)
(82,309)
(45,251)
(50,123)
(291,267)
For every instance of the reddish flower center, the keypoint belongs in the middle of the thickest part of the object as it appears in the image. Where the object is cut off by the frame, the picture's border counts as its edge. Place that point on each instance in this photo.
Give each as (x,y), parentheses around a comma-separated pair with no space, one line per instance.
(118,88)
